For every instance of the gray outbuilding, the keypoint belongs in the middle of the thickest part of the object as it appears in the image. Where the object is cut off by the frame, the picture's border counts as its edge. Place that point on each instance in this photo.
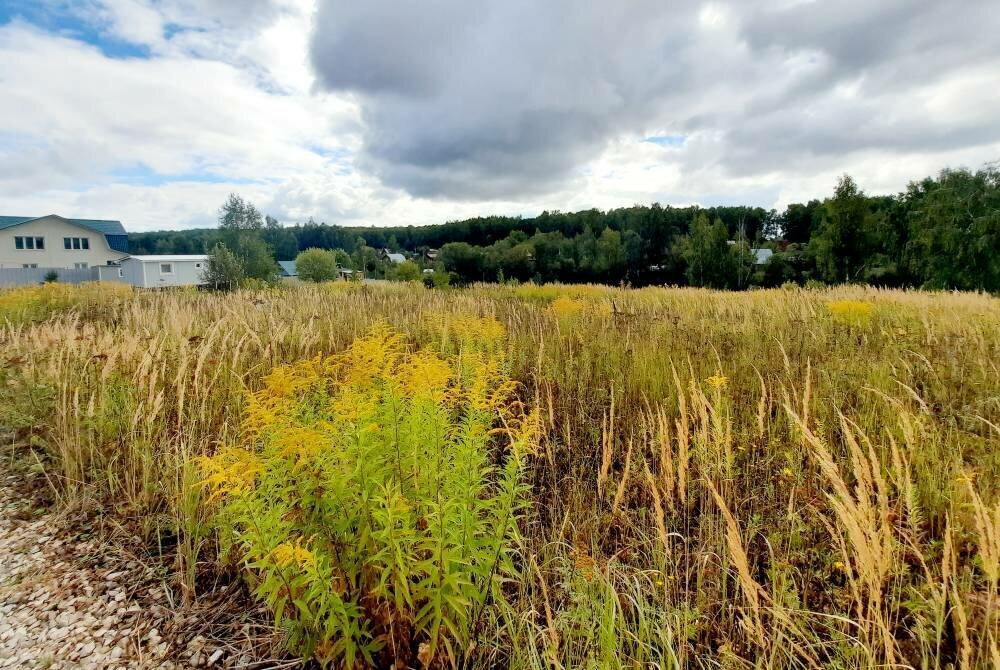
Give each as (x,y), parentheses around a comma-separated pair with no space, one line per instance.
(162,271)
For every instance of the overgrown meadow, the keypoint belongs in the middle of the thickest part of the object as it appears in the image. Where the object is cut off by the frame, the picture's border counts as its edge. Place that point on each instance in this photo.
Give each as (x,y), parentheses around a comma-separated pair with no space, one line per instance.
(540,476)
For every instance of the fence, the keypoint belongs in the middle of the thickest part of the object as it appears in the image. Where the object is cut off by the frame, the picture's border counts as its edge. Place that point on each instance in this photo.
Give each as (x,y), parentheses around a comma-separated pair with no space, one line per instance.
(26,276)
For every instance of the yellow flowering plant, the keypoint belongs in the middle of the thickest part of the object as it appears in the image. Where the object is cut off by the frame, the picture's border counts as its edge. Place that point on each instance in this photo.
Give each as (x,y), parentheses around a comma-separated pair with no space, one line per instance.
(856,313)
(375,502)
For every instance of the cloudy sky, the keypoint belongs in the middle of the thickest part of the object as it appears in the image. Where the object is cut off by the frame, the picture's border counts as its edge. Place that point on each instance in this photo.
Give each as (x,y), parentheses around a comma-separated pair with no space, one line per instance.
(403,112)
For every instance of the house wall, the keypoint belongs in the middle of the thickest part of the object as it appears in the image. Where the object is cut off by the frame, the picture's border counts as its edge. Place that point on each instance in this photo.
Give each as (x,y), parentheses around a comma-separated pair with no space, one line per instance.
(147,273)
(54,255)
(132,272)
(109,273)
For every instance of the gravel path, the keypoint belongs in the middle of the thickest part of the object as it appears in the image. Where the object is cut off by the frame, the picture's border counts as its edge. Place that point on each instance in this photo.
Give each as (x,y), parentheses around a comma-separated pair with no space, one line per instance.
(68,602)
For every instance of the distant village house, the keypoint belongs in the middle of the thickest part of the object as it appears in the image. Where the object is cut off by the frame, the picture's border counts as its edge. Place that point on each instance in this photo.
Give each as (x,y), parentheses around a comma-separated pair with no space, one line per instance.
(392,257)
(55,242)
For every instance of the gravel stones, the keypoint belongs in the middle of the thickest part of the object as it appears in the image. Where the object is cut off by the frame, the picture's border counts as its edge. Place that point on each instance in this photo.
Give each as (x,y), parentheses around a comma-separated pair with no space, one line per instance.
(61,608)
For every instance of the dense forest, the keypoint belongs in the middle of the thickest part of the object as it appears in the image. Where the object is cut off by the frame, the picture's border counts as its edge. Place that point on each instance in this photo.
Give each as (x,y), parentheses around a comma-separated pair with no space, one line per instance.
(942,232)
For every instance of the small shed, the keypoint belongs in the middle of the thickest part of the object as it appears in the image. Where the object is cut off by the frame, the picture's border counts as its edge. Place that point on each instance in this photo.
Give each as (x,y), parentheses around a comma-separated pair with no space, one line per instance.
(163,271)
(287,269)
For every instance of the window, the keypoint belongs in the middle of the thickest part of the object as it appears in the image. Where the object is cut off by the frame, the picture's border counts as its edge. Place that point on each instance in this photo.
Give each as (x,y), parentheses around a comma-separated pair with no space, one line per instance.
(166,268)
(29,242)
(197,265)
(80,266)
(85,241)
(121,273)
(76,243)
(30,265)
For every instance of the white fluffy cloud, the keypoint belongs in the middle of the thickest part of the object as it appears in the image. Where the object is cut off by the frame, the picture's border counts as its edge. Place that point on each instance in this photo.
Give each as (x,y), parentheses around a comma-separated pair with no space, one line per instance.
(397,113)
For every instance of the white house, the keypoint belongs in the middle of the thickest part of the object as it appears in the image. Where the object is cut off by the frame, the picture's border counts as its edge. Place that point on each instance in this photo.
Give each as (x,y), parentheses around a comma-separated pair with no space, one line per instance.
(161,271)
(56,242)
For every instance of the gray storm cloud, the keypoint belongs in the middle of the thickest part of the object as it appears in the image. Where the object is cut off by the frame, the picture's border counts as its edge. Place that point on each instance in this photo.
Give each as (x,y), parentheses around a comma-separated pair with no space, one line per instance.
(489,100)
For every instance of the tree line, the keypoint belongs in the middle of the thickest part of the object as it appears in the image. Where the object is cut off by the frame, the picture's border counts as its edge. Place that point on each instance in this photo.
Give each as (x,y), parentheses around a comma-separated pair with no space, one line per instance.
(941,232)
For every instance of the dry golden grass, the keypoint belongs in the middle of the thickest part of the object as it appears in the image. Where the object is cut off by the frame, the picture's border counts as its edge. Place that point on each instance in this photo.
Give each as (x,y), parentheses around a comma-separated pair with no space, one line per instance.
(783,478)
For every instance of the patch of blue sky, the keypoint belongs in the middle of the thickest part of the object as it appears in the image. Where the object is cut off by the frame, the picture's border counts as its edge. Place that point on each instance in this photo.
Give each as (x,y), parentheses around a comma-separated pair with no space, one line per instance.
(19,141)
(332,153)
(666,140)
(171,29)
(143,175)
(65,18)
(339,159)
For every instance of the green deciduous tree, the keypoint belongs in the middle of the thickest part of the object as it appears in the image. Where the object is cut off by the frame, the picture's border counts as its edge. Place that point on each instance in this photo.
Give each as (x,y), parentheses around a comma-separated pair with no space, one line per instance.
(743,260)
(316,265)
(240,224)
(955,230)
(705,249)
(405,271)
(844,238)
(464,260)
(280,239)
(224,271)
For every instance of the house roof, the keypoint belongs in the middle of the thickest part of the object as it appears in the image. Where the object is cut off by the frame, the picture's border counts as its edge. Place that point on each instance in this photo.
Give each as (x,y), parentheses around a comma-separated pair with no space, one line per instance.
(102,226)
(170,258)
(396,258)
(288,269)
(113,231)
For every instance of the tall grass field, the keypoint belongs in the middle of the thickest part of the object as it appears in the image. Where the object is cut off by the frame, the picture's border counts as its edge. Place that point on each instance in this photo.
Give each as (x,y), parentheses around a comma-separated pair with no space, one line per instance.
(541,476)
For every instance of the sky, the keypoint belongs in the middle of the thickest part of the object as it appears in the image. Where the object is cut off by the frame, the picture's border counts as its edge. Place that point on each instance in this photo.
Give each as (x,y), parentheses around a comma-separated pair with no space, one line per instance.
(389,112)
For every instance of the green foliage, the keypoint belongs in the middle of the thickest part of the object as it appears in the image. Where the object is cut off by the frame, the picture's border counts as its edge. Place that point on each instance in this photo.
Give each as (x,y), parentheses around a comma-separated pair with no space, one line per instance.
(256,259)
(237,217)
(463,259)
(955,230)
(224,271)
(280,239)
(706,251)
(240,229)
(365,260)
(743,261)
(405,271)
(316,265)
(843,242)
(440,278)
(51,276)
(375,506)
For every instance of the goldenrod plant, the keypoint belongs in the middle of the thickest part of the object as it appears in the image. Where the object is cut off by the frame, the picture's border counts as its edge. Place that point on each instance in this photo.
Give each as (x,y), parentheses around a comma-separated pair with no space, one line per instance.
(376,497)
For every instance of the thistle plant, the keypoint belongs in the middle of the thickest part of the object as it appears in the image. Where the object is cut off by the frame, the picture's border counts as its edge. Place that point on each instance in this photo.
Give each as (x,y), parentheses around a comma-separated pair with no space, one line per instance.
(374,502)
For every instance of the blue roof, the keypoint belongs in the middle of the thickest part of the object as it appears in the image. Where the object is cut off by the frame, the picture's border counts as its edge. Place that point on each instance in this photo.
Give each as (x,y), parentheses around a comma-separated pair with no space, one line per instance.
(101,226)
(114,231)
(288,269)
